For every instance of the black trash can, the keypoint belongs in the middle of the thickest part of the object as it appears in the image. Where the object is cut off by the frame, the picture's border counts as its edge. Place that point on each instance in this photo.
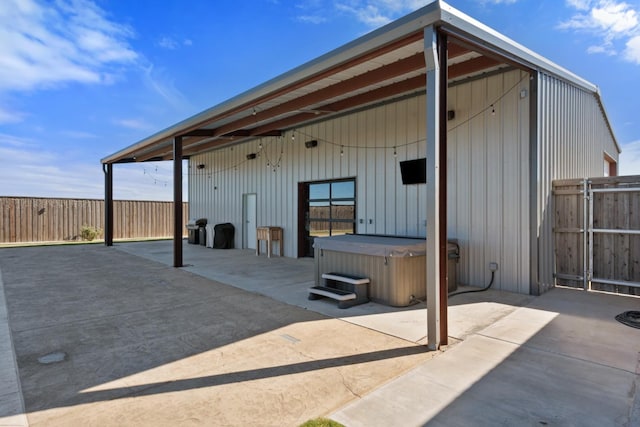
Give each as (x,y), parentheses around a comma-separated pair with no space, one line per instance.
(223,236)
(202,236)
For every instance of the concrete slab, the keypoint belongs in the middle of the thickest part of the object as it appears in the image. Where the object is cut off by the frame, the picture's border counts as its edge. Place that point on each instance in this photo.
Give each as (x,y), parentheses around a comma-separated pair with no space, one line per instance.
(148,344)
(287,280)
(532,367)
(12,411)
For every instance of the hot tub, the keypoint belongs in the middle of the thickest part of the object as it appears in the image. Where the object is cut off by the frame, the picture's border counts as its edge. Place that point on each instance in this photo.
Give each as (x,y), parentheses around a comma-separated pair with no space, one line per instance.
(396,266)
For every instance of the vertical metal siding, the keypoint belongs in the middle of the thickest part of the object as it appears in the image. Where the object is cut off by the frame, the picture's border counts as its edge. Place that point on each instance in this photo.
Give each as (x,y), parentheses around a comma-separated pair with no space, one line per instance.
(572,137)
(366,139)
(488,176)
(488,160)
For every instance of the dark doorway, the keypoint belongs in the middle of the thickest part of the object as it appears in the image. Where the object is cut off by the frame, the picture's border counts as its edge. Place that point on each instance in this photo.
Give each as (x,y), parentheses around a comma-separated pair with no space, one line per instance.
(325,208)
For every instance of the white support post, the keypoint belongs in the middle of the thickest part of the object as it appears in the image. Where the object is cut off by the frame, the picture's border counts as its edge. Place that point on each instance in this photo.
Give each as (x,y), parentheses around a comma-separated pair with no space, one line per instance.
(433,184)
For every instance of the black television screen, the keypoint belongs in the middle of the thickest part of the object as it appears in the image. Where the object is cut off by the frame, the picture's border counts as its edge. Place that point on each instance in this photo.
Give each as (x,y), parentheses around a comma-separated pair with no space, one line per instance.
(414,171)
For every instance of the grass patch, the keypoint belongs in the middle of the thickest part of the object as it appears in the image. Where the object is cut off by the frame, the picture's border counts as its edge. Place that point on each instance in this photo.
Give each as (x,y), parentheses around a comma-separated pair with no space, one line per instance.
(321,422)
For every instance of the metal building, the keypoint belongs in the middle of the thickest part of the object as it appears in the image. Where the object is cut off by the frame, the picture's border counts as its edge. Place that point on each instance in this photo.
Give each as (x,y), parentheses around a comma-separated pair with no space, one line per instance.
(496,123)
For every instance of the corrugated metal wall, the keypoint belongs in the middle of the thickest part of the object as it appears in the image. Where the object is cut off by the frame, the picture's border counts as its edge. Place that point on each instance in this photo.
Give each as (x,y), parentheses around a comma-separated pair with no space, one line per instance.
(488,169)
(366,140)
(573,136)
(488,175)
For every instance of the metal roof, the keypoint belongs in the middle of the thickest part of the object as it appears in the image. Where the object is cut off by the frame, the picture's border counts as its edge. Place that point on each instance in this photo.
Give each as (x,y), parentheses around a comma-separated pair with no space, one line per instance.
(385,64)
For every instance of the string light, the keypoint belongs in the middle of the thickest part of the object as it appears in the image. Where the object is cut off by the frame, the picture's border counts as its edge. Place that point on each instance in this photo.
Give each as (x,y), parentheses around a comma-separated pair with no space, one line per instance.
(275,164)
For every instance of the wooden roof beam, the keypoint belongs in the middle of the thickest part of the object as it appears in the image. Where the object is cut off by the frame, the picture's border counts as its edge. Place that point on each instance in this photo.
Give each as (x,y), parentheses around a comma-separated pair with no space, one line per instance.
(471,66)
(385,92)
(398,68)
(455,50)
(411,38)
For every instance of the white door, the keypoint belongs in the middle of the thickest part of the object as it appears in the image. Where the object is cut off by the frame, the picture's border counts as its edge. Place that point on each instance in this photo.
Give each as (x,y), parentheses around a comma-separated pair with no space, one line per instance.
(249,221)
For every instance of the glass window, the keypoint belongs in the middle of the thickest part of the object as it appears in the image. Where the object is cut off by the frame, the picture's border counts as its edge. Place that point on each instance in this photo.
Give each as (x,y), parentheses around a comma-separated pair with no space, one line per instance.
(332,208)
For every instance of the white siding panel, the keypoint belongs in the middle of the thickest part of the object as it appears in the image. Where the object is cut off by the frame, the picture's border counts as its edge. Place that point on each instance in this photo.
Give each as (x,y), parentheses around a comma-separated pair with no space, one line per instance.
(487,186)
(573,136)
(488,180)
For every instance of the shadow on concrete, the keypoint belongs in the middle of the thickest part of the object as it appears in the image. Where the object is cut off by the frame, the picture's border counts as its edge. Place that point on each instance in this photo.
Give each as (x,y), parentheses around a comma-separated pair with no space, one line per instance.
(287,280)
(241,376)
(119,318)
(561,360)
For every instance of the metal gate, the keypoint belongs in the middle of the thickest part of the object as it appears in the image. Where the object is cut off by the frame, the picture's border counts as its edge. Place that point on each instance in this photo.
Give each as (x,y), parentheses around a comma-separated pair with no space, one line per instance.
(597,233)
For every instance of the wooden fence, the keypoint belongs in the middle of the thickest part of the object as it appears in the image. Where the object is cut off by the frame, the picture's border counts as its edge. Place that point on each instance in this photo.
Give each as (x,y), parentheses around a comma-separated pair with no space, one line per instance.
(597,233)
(30,219)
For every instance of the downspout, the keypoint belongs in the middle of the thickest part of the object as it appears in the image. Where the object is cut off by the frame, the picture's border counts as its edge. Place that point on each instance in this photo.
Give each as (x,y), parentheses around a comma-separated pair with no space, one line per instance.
(431,51)
(534,177)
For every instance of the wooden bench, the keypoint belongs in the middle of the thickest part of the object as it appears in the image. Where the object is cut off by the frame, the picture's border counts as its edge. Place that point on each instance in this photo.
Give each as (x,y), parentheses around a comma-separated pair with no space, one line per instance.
(347,289)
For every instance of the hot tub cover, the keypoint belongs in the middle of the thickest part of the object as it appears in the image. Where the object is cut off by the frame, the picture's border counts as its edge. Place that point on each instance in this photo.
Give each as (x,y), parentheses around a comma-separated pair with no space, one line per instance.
(373,245)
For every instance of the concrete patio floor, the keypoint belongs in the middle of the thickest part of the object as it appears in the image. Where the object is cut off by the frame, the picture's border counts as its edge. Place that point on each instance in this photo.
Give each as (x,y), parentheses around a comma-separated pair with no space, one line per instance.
(147,344)
(288,279)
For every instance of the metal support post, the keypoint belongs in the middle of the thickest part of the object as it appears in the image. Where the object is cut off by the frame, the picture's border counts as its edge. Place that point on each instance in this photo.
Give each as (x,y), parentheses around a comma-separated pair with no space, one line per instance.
(177,202)
(108,203)
(431,52)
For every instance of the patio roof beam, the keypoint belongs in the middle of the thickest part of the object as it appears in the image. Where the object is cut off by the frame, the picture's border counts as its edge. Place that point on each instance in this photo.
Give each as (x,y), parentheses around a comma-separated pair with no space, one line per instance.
(378,75)
(472,66)
(375,95)
(411,38)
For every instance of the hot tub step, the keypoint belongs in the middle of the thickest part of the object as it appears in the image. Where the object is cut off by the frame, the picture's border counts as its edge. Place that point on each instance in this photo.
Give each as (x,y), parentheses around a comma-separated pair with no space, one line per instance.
(325,291)
(346,278)
(348,290)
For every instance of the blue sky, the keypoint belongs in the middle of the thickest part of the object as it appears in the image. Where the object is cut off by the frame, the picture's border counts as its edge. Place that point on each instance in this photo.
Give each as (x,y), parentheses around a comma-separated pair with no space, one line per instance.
(81,79)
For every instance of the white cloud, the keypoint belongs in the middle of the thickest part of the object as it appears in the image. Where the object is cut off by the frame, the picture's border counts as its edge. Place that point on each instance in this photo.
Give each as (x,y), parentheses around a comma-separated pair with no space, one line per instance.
(9,116)
(606,50)
(137,124)
(168,43)
(375,13)
(312,19)
(632,50)
(44,44)
(75,134)
(500,1)
(580,4)
(161,83)
(28,170)
(630,159)
(611,22)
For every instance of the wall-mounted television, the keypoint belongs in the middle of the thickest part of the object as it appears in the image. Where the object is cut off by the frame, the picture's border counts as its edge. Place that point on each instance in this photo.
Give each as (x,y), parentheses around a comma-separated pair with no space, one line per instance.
(414,171)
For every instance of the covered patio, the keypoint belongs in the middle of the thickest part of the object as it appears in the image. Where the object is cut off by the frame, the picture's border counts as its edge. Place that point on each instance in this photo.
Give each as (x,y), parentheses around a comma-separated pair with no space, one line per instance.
(287,280)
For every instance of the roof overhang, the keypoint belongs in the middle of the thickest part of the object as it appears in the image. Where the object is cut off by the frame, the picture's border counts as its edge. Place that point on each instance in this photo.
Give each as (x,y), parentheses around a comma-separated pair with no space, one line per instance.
(383,65)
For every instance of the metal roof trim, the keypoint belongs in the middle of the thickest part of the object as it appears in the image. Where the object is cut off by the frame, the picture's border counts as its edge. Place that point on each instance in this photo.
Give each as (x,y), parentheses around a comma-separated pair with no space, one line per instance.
(485,36)
(436,13)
